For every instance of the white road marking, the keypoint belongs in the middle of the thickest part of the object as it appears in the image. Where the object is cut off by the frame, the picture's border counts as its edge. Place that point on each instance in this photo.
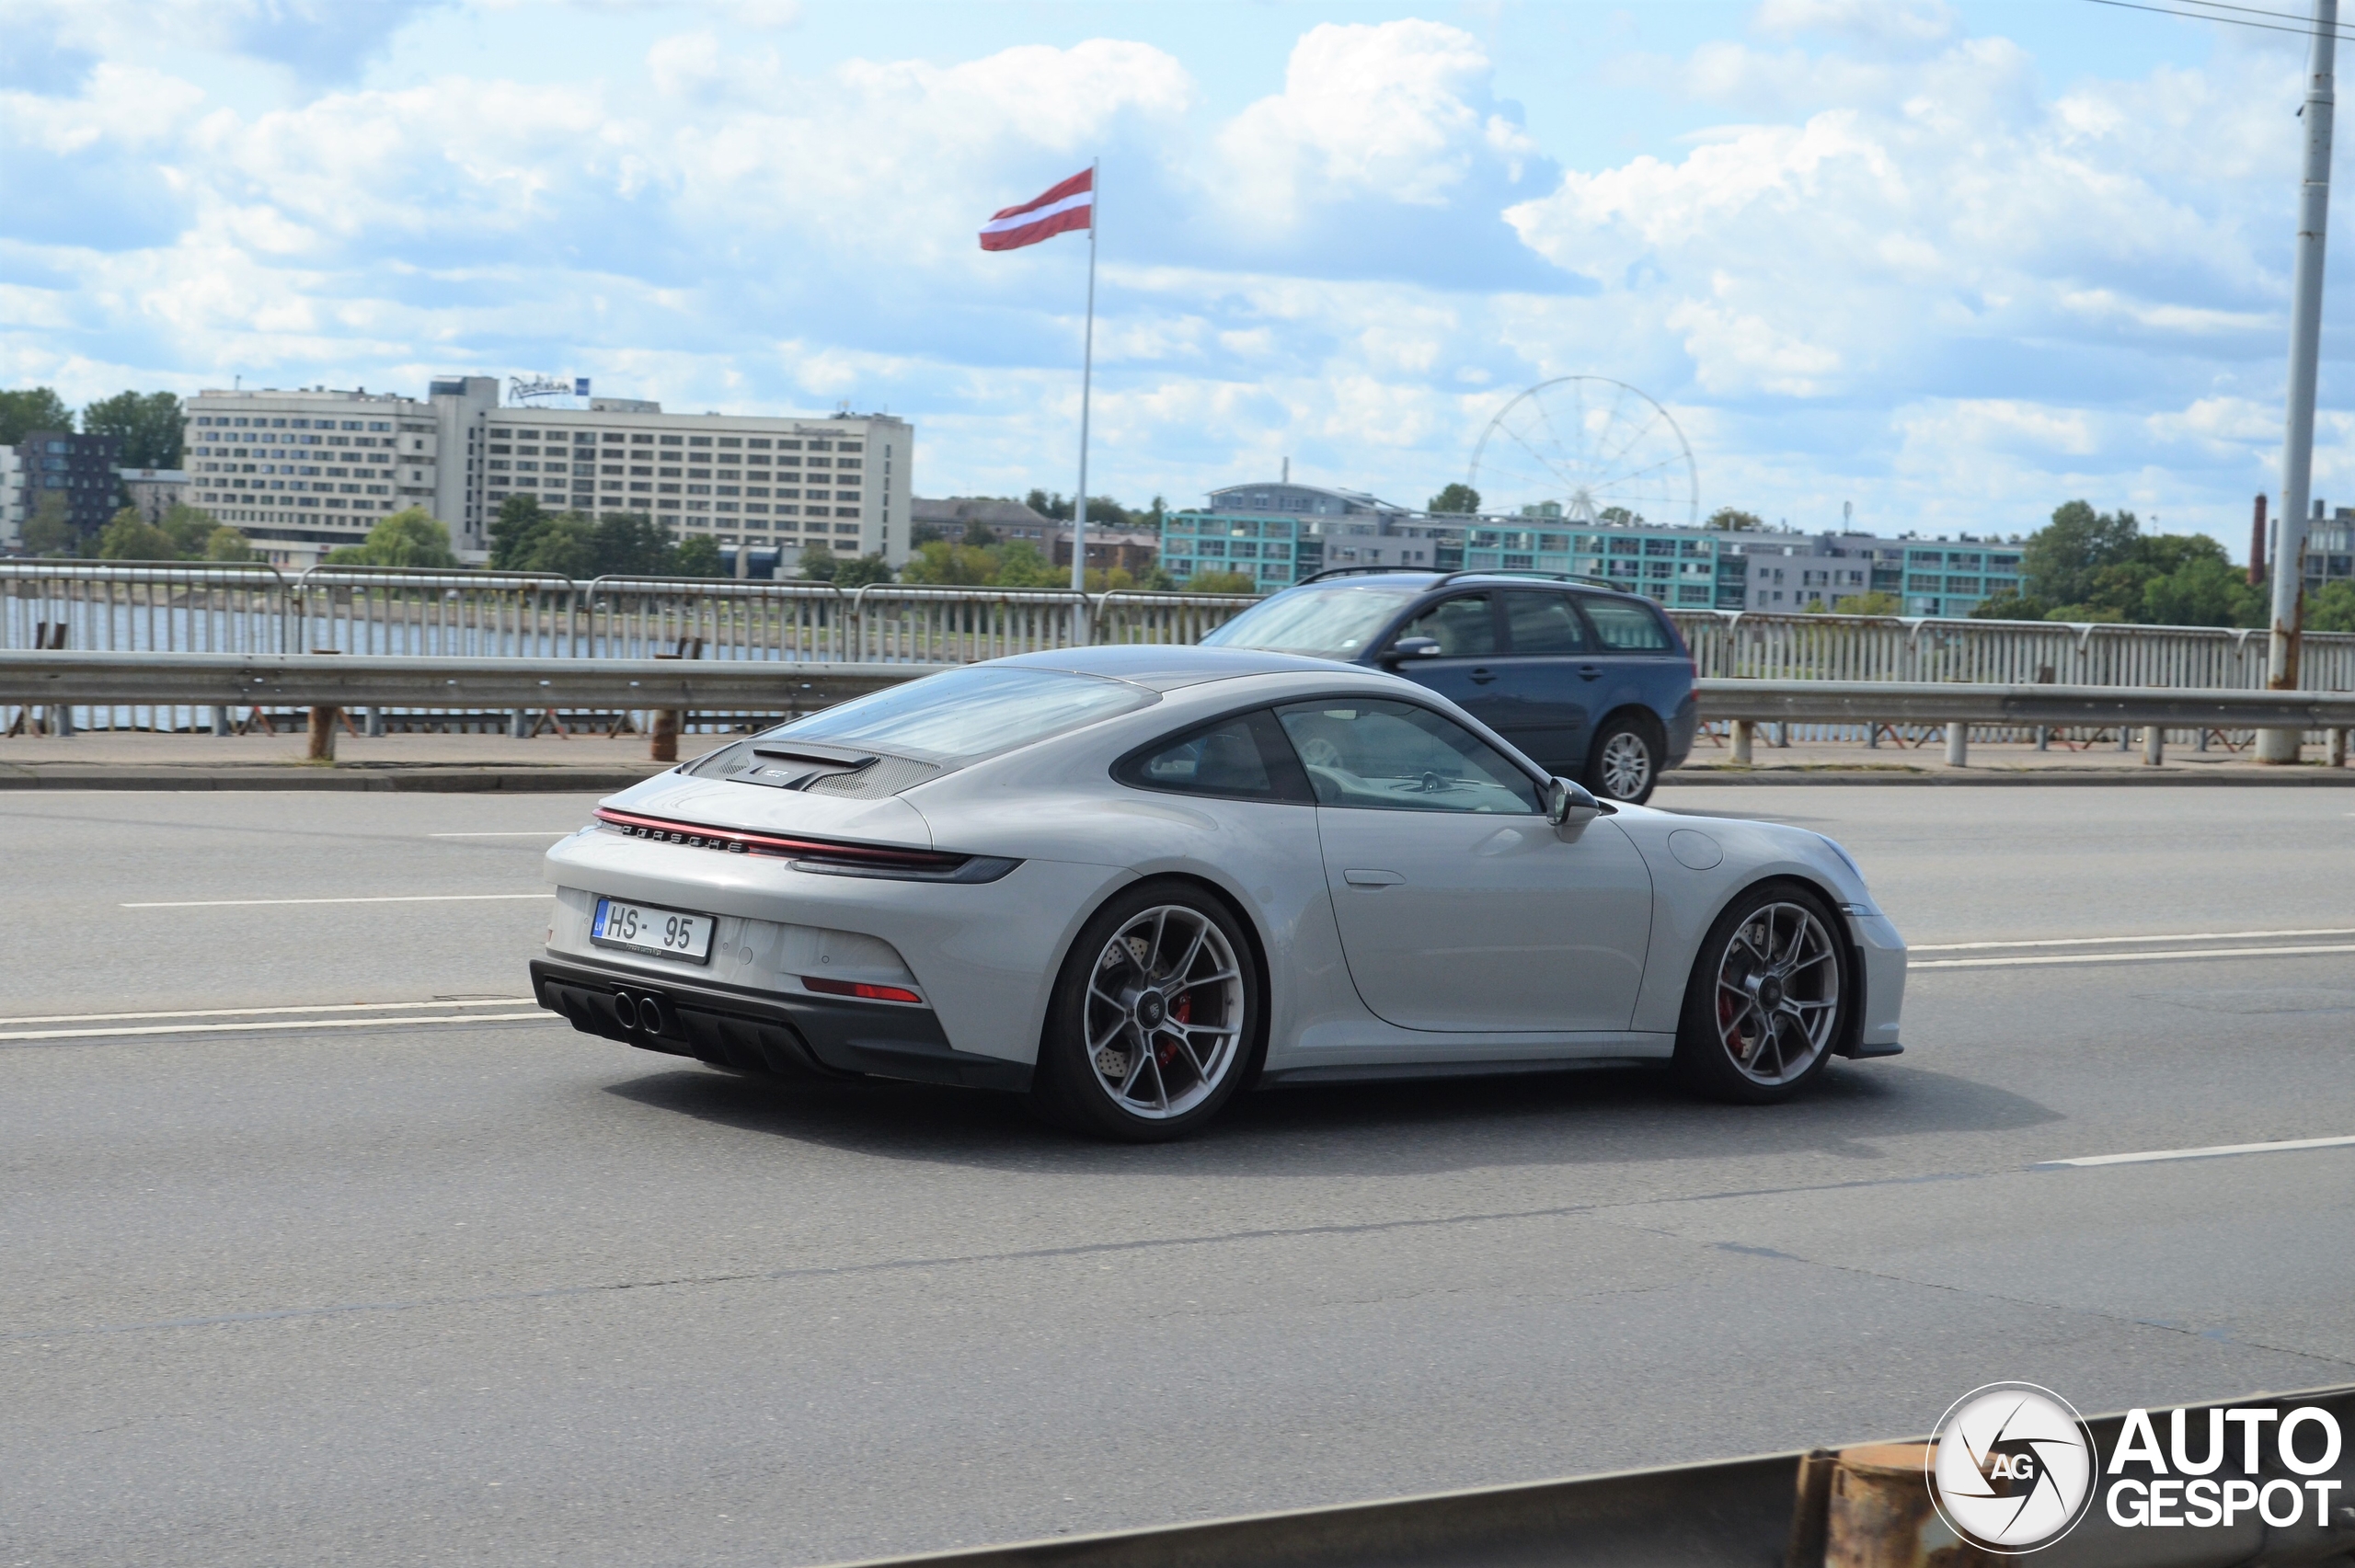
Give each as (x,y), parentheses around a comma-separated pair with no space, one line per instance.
(2024,961)
(2115,941)
(2212,1151)
(518,833)
(399,898)
(266,1012)
(275,1024)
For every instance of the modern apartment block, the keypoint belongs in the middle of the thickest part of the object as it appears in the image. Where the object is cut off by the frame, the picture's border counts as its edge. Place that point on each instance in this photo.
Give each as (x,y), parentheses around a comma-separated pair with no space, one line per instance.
(749,480)
(79,469)
(303,472)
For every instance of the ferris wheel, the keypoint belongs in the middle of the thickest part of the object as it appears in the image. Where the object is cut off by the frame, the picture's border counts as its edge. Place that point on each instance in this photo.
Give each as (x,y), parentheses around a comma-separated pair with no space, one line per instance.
(1597,449)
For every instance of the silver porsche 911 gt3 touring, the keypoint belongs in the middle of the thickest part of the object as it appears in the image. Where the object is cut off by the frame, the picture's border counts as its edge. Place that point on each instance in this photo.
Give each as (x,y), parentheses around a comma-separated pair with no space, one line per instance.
(1131,882)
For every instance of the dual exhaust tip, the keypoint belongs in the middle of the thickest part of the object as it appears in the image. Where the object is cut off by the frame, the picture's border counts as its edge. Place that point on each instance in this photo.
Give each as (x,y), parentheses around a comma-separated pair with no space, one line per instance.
(643,1012)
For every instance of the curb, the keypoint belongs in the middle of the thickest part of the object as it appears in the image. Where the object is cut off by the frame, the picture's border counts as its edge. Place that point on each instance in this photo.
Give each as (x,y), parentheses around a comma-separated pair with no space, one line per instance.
(421,779)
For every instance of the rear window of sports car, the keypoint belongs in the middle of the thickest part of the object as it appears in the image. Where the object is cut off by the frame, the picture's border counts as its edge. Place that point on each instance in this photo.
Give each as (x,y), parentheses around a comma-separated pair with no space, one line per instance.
(963,715)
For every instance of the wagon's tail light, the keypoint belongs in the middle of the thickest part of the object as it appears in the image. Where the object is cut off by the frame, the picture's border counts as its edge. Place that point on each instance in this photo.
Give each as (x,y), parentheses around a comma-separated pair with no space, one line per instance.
(859,988)
(827,857)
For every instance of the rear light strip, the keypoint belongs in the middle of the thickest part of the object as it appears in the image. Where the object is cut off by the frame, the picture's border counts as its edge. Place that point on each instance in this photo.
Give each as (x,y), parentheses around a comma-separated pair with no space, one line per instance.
(859,988)
(828,857)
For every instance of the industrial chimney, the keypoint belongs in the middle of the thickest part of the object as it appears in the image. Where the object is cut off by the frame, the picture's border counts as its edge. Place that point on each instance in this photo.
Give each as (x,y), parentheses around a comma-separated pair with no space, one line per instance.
(2257,544)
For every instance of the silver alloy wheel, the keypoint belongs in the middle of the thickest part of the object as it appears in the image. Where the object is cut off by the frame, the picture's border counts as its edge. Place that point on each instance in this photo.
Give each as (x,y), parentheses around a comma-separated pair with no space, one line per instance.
(1777,1004)
(1165,1013)
(1626,765)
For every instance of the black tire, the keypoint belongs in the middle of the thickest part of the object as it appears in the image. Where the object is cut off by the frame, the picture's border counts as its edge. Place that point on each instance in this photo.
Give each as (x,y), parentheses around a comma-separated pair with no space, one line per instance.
(1795,982)
(1117,1063)
(1624,762)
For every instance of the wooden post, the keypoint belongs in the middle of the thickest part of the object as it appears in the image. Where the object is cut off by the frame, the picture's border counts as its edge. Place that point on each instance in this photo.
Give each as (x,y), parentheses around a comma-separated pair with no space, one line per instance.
(323,726)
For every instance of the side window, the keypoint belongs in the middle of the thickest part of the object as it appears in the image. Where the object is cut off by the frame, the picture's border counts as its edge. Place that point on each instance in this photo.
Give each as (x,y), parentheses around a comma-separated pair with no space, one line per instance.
(1626,626)
(1542,622)
(1242,758)
(1387,756)
(1463,626)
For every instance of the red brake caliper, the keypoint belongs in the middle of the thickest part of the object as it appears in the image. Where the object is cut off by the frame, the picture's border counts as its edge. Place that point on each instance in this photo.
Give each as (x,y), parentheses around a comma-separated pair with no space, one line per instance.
(1181,1012)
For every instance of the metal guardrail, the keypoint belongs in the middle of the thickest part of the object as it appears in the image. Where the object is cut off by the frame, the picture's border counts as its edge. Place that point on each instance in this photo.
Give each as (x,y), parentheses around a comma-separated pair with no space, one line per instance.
(204,680)
(191,607)
(70,679)
(2030,706)
(1750,1512)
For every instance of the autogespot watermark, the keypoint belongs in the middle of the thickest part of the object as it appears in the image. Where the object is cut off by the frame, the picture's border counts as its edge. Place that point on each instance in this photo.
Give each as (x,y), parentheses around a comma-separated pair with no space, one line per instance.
(2014,1469)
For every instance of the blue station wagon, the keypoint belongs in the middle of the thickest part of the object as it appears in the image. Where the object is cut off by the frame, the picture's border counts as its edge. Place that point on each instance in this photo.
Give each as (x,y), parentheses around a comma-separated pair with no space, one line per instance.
(1591,683)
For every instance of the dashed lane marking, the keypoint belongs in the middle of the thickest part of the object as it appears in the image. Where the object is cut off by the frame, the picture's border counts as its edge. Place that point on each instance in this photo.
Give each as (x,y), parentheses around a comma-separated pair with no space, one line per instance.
(2212,1151)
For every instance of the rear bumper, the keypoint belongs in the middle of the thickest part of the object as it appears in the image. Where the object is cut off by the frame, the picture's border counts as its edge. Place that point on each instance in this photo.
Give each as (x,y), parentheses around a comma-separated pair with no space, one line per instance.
(1683,725)
(802,1036)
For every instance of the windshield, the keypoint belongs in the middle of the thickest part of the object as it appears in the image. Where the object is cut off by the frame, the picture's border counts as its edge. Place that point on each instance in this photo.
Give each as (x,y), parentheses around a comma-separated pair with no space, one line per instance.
(964,714)
(1339,622)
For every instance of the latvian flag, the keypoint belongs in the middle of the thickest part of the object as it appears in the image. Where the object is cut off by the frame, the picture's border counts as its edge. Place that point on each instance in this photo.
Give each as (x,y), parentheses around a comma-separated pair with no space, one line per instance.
(1068,206)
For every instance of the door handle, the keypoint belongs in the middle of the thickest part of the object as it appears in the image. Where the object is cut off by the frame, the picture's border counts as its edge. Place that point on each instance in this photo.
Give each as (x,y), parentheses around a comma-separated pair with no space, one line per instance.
(1482,676)
(1589,672)
(1358,877)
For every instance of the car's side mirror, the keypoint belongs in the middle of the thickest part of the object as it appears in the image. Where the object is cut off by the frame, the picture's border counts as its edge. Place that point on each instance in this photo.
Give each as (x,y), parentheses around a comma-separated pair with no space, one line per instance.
(1570,808)
(1405,648)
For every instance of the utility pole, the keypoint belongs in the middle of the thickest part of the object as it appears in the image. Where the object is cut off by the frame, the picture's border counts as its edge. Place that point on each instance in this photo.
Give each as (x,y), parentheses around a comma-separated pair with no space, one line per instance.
(2305,352)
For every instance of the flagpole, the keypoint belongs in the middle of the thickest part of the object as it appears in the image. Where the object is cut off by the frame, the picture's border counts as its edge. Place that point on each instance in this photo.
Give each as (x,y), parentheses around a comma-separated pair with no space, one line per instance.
(1086,376)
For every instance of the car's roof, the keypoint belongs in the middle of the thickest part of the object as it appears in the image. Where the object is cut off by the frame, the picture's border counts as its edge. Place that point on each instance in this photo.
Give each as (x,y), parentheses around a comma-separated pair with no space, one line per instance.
(1167,666)
(1422,579)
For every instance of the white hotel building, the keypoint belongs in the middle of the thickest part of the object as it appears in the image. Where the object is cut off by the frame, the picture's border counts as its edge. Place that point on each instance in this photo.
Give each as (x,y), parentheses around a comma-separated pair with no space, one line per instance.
(303,472)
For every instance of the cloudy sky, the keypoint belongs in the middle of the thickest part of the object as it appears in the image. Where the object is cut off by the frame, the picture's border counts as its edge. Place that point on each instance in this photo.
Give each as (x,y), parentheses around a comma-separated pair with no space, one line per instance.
(1951,263)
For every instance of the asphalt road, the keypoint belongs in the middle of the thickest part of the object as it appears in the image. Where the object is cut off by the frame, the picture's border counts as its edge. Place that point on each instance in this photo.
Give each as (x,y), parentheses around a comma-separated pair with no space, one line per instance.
(430,1282)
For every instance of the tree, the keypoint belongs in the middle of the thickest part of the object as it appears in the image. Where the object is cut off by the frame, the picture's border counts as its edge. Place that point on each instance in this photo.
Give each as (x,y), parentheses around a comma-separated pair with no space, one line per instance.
(130,537)
(227,545)
(413,537)
(630,544)
(191,528)
(563,543)
(1102,510)
(945,564)
(34,408)
(861,571)
(1620,517)
(978,534)
(1874,603)
(1454,500)
(50,529)
(1221,582)
(511,530)
(2011,607)
(1735,520)
(149,426)
(2331,608)
(819,562)
(699,558)
(2059,562)
(2204,590)
(1019,564)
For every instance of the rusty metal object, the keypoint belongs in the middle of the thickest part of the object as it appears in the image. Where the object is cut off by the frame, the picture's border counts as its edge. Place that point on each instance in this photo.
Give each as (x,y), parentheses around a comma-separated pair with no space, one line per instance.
(1880,1514)
(1810,1505)
(323,726)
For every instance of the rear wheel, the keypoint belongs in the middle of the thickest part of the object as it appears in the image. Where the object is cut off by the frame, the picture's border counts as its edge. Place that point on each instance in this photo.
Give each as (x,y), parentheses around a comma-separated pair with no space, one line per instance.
(1624,762)
(1154,1016)
(1764,1007)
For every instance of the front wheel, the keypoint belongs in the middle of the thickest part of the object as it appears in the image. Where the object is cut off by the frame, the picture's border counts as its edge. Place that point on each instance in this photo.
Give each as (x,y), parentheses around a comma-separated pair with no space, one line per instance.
(1764,1007)
(1154,1017)
(1624,763)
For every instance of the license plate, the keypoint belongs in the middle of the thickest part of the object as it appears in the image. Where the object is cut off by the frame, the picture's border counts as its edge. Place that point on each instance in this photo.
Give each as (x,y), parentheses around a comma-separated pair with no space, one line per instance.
(642,928)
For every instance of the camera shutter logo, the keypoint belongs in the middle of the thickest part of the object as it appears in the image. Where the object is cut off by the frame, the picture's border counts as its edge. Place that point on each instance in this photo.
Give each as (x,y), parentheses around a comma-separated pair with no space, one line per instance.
(2012,1469)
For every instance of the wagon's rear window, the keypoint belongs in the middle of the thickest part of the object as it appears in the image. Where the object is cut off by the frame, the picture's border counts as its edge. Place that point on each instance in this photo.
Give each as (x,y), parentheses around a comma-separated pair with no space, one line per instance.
(964,714)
